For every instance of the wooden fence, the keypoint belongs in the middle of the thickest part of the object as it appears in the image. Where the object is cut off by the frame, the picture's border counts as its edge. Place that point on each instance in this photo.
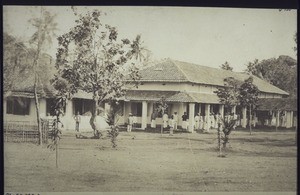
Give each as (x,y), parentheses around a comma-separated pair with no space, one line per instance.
(23,131)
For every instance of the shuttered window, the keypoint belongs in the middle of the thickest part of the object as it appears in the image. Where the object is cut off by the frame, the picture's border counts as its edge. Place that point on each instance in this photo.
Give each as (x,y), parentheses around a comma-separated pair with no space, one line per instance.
(18,105)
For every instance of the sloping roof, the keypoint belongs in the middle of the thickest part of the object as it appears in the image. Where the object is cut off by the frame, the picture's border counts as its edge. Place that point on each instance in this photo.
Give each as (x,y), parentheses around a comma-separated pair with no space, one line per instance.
(205,98)
(171,96)
(177,71)
(140,95)
(277,104)
(24,86)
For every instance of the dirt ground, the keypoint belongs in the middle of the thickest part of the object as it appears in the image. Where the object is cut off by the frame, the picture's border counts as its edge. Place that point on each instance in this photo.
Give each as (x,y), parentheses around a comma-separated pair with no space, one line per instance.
(149,162)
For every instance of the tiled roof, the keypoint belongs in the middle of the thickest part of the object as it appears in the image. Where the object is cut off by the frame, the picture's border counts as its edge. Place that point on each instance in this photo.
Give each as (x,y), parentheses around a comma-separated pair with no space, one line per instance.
(177,71)
(171,96)
(205,98)
(25,87)
(277,103)
(181,97)
(140,95)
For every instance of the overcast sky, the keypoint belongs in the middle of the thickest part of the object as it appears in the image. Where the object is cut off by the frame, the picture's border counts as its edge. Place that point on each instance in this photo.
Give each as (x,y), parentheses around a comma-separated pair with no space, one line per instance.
(205,36)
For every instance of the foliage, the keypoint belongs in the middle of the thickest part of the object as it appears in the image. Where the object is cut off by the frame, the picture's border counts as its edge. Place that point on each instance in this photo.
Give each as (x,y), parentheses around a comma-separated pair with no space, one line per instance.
(18,66)
(228,125)
(112,120)
(45,27)
(248,95)
(92,59)
(14,56)
(281,72)
(60,103)
(162,105)
(226,66)
(228,95)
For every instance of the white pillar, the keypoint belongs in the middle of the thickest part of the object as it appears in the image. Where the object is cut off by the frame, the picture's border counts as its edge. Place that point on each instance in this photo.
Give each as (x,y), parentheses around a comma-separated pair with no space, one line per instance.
(69,109)
(144,115)
(43,107)
(292,118)
(207,117)
(191,117)
(221,110)
(244,120)
(288,119)
(32,109)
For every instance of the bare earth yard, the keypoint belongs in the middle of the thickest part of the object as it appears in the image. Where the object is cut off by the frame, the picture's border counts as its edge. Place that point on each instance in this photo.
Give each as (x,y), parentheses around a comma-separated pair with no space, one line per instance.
(264,161)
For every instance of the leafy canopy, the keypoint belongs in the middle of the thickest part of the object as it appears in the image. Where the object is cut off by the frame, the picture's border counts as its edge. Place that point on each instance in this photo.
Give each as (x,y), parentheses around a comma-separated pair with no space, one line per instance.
(281,72)
(248,95)
(91,58)
(228,95)
(226,66)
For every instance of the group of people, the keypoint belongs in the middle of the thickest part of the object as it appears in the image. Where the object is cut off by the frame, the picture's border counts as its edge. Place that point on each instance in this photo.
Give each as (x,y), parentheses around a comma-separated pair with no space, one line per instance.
(201,122)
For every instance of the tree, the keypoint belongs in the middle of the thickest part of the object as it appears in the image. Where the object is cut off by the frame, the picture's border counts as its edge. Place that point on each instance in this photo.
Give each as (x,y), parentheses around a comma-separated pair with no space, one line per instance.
(248,97)
(14,56)
(45,28)
(226,66)
(280,72)
(112,119)
(92,59)
(228,96)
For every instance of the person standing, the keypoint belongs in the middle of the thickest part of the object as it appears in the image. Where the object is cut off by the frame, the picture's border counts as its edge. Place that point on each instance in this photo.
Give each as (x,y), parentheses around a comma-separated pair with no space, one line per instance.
(153,119)
(77,120)
(175,118)
(130,123)
(165,119)
(212,120)
(201,122)
(197,121)
(184,121)
(171,123)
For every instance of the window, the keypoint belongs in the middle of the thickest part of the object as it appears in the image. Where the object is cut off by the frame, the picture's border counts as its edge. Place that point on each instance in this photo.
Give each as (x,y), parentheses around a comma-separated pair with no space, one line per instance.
(50,103)
(82,106)
(136,108)
(18,106)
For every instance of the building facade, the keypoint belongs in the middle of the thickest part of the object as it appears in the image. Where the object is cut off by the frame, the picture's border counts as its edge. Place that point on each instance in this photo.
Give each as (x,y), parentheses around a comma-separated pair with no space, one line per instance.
(186,87)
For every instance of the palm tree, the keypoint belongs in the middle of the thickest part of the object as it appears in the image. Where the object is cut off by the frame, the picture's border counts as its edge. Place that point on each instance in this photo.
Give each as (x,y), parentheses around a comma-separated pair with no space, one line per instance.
(137,50)
(45,30)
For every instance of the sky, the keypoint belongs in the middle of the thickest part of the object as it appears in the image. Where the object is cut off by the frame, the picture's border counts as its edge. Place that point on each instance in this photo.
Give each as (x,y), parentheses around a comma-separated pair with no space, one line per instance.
(204,36)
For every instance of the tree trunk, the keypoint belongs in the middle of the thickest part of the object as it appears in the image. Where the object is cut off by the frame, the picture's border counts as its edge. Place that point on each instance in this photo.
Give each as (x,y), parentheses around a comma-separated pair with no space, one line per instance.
(162,125)
(94,113)
(250,120)
(37,111)
(56,153)
(219,139)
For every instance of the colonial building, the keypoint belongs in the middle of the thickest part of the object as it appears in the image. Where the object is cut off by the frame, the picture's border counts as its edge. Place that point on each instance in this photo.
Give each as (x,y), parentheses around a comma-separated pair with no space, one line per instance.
(186,87)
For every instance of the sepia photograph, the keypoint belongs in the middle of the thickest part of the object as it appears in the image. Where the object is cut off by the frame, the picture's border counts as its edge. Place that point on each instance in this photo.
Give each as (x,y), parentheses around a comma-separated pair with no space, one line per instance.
(159,99)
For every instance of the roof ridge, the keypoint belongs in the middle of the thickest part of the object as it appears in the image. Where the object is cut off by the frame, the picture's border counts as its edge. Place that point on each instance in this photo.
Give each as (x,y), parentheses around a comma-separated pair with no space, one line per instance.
(185,75)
